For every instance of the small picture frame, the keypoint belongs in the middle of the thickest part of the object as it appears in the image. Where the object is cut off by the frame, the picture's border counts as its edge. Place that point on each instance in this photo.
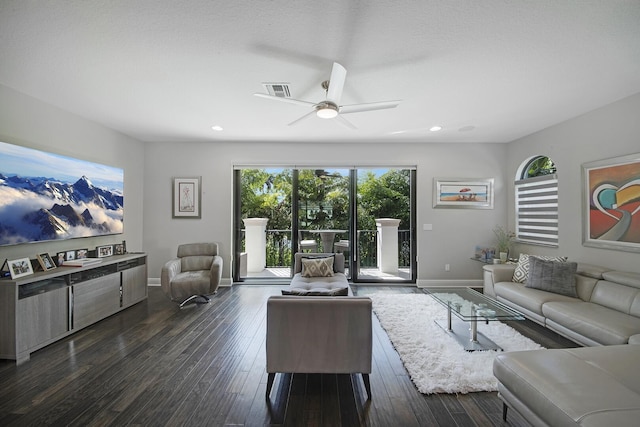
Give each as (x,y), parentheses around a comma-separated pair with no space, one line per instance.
(186,197)
(82,253)
(60,258)
(104,251)
(118,249)
(46,262)
(70,256)
(20,267)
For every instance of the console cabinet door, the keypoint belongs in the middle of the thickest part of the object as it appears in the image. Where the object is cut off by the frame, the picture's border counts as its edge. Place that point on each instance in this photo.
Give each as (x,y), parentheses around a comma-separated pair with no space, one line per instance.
(42,318)
(95,299)
(134,285)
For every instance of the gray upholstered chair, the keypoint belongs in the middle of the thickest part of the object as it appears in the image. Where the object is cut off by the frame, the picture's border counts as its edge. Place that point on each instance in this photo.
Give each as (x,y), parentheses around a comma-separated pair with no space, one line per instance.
(319,335)
(194,274)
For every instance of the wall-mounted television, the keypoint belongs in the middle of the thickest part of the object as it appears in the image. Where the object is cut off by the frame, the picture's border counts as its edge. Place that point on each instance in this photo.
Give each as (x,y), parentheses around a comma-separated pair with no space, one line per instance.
(46,196)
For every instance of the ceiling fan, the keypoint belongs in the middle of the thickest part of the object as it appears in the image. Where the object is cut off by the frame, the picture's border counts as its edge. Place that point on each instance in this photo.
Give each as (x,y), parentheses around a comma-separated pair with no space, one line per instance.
(330,108)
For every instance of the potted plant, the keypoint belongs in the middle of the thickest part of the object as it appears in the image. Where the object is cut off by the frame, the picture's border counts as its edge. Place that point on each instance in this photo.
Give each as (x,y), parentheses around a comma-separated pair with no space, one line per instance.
(504,238)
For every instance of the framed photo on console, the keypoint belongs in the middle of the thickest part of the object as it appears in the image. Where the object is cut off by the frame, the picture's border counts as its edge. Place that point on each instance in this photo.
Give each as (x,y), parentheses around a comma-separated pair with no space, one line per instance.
(104,251)
(46,262)
(20,267)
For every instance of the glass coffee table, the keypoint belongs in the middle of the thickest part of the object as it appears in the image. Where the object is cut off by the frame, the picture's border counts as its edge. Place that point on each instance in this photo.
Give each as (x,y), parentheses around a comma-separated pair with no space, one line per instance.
(470,307)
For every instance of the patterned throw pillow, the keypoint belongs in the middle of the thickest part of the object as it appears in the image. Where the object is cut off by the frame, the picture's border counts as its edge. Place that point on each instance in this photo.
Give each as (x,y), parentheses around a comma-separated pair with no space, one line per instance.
(521,272)
(317,267)
(552,276)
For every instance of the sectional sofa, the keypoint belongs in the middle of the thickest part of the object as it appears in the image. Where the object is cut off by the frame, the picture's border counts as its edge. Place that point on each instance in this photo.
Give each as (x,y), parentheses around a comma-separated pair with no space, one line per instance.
(606,310)
(597,385)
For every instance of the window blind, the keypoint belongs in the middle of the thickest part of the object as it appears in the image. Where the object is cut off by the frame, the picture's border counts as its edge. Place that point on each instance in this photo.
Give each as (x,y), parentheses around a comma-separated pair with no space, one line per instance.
(537,210)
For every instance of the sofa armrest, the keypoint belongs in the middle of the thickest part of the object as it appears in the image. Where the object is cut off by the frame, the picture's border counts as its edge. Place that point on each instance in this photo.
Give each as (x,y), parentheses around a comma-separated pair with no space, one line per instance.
(496,273)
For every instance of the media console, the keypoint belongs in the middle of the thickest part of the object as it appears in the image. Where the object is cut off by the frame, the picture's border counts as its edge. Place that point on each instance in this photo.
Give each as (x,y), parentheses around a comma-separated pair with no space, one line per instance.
(42,308)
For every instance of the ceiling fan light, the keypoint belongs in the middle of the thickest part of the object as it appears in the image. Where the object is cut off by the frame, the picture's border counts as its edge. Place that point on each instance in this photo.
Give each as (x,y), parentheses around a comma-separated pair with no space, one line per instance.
(326,112)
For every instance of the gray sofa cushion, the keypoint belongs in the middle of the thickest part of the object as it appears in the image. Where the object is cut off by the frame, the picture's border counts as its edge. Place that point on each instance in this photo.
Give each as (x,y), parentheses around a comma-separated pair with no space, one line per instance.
(598,323)
(521,272)
(334,292)
(587,387)
(552,276)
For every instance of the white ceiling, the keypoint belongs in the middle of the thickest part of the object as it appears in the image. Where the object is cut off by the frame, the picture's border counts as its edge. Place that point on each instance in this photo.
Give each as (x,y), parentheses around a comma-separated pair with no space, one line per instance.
(486,71)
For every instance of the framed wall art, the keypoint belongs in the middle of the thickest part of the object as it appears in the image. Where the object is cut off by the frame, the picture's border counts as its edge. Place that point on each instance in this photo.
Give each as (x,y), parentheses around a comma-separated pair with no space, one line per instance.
(186,197)
(463,193)
(611,202)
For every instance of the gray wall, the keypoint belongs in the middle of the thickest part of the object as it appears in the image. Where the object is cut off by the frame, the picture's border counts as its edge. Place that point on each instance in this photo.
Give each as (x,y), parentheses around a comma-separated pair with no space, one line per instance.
(452,240)
(610,131)
(31,123)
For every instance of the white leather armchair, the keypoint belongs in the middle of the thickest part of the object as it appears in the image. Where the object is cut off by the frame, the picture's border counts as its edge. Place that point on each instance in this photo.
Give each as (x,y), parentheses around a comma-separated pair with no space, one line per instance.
(194,275)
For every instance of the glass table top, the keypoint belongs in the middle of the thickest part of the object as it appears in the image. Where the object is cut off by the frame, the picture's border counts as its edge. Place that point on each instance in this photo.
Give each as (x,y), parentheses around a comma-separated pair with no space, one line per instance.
(469,305)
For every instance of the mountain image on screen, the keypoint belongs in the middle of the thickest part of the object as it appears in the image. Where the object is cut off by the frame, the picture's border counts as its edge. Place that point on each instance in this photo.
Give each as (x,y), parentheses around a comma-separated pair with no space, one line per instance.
(39,209)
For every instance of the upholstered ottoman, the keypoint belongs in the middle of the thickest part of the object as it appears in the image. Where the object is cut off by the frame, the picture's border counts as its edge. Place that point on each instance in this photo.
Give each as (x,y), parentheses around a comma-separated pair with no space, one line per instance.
(320,282)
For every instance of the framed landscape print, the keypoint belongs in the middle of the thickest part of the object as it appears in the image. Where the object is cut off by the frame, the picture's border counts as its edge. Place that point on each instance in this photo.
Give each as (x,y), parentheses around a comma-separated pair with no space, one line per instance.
(463,193)
(186,197)
(611,203)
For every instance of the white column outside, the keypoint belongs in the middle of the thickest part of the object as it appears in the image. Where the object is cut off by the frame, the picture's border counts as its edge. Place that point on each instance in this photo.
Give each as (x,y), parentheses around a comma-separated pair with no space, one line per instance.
(387,253)
(255,243)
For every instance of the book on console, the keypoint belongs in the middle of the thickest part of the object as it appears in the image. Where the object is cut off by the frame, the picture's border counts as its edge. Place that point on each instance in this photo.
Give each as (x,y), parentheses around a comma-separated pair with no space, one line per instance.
(82,262)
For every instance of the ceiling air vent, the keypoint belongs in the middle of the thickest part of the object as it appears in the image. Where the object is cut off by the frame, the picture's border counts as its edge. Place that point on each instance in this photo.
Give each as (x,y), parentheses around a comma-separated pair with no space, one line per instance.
(281,90)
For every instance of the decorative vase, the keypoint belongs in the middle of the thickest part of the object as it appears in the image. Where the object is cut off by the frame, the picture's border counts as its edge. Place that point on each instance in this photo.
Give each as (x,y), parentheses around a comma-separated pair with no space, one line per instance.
(503,256)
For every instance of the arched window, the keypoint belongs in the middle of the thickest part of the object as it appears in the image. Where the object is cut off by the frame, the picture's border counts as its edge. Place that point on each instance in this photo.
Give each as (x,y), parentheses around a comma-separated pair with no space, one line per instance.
(536,190)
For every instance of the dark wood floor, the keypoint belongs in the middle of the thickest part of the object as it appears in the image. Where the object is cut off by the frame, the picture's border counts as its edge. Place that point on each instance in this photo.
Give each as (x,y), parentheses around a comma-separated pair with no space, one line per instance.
(156,365)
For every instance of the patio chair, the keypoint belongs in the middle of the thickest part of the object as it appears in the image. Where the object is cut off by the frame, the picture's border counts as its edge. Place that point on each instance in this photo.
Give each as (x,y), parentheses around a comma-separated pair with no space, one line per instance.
(309,244)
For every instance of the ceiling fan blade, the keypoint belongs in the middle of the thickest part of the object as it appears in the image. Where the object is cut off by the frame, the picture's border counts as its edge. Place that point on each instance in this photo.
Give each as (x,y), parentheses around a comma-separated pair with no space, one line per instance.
(336,83)
(296,121)
(357,108)
(287,100)
(345,122)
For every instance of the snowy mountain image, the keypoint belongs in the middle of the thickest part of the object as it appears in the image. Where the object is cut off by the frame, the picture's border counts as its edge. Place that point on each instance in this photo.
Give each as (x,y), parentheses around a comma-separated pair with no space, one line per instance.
(40,207)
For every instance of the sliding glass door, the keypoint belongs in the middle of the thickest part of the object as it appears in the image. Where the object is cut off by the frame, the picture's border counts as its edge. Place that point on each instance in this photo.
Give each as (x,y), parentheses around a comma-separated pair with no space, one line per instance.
(385,249)
(367,214)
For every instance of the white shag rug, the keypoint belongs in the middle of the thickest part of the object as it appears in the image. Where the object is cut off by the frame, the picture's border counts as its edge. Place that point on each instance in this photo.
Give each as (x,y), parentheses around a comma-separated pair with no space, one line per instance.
(436,362)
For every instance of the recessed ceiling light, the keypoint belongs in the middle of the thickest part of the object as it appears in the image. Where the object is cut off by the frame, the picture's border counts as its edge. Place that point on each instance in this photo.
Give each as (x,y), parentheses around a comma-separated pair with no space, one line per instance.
(435,128)
(217,128)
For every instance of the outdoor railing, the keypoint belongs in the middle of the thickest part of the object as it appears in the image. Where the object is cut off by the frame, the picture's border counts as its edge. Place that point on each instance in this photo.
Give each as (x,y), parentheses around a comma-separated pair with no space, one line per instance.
(279,253)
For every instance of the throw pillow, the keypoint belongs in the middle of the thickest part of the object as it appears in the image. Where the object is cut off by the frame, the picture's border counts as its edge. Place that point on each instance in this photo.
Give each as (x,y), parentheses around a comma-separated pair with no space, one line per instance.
(316,256)
(317,267)
(521,272)
(339,292)
(553,276)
